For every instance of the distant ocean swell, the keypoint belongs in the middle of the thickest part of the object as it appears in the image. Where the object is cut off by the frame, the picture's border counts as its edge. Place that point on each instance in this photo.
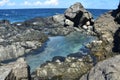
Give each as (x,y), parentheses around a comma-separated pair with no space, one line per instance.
(19,15)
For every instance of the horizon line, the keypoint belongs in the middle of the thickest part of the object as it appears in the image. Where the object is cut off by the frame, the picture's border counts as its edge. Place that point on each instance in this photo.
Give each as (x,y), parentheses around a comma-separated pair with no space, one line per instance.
(51,8)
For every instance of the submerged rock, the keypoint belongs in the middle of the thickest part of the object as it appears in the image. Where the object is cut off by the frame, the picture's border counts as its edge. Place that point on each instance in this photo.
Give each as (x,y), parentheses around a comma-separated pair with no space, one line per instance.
(72,68)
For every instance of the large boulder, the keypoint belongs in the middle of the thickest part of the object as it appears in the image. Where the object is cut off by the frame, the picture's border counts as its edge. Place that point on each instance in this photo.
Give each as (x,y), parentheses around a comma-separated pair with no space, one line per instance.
(18,70)
(106,70)
(78,14)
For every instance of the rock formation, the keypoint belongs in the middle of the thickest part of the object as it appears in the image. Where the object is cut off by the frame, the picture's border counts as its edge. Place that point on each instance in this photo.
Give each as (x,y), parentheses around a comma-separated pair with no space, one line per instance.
(70,69)
(19,38)
(105,70)
(78,15)
(18,70)
(62,24)
(15,42)
(107,29)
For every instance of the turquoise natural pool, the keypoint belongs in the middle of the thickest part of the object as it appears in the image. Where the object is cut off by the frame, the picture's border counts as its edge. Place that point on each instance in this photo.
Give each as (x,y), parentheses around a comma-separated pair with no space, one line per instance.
(58,46)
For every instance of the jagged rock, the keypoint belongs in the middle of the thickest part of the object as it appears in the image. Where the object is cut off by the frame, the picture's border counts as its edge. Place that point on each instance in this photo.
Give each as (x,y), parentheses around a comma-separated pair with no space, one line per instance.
(18,70)
(105,24)
(75,16)
(78,14)
(107,29)
(72,68)
(15,42)
(105,70)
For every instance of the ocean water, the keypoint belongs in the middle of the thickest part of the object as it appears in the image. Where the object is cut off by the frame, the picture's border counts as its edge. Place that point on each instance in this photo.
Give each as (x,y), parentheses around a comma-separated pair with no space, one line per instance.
(19,15)
(55,46)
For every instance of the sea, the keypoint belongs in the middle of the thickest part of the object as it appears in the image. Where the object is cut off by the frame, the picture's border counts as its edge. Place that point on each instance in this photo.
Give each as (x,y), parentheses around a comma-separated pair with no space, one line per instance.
(55,46)
(20,15)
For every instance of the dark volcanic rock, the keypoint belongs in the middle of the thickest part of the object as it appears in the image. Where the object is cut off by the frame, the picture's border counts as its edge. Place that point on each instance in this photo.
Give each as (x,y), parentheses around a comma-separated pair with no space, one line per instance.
(78,14)
(116,42)
(116,14)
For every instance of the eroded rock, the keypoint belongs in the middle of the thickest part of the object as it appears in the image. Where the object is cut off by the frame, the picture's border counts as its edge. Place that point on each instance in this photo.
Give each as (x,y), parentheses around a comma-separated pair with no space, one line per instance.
(18,70)
(105,70)
(15,42)
(72,68)
(78,14)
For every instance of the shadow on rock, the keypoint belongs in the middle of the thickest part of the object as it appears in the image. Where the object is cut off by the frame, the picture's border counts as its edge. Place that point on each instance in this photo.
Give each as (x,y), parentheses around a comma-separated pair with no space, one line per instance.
(116,14)
(116,42)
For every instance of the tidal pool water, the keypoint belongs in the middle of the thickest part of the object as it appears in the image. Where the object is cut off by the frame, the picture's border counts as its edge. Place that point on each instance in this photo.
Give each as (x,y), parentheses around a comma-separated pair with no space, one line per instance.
(58,46)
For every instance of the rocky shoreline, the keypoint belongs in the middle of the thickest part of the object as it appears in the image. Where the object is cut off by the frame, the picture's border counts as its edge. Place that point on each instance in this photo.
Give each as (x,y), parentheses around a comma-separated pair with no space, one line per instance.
(15,42)
(20,38)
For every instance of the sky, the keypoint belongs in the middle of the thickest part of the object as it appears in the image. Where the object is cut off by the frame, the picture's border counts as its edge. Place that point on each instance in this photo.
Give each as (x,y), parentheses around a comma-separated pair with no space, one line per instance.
(93,4)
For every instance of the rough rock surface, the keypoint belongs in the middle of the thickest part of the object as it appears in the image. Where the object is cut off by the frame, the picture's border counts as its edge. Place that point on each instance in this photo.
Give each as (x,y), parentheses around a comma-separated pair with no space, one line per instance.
(69,68)
(107,29)
(108,32)
(105,70)
(61,24)
(78,14)
(15,42)
(18,70)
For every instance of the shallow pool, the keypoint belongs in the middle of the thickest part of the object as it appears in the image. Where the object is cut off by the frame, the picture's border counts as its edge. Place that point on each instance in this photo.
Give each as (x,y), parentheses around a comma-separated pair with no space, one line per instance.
(57,46)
